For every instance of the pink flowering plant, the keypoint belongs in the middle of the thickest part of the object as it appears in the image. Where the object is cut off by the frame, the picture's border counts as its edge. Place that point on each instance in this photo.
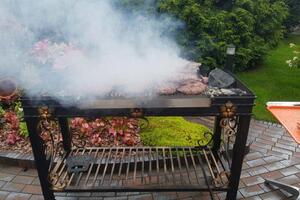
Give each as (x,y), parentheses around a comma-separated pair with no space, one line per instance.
(12,126)
(47,52)
(96,132)
(107,131)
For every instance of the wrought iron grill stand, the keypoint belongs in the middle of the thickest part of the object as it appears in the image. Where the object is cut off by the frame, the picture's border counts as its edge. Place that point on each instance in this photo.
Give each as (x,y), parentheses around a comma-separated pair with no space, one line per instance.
(120,169)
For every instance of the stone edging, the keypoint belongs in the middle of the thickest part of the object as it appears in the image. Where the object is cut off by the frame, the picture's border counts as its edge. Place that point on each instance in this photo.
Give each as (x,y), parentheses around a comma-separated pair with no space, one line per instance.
(17,159)
(27,160)
(268,123)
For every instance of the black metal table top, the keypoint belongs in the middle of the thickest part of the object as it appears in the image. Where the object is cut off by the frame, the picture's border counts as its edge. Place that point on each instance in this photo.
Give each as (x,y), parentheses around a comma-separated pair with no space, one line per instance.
(161,105)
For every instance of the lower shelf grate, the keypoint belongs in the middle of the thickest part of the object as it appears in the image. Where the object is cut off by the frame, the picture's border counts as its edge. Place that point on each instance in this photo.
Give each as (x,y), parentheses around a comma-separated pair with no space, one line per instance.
(142,169)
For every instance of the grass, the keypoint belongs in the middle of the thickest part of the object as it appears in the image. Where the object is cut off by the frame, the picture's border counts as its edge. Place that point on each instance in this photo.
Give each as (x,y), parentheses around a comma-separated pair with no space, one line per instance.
(172,131)
(274,80)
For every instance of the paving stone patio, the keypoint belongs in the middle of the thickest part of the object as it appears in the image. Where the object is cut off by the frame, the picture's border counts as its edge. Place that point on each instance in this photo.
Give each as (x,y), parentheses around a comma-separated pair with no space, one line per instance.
(273,154)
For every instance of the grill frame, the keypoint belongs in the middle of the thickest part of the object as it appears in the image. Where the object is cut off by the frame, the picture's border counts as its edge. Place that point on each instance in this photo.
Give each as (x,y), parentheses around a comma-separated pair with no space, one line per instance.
(142,172)
(242,114)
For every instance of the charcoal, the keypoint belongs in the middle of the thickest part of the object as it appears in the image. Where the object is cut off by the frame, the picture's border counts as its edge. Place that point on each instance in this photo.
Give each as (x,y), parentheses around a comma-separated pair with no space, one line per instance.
(220,79)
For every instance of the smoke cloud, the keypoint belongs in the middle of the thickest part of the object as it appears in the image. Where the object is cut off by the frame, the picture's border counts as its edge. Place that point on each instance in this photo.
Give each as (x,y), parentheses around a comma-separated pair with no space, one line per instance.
(85,48)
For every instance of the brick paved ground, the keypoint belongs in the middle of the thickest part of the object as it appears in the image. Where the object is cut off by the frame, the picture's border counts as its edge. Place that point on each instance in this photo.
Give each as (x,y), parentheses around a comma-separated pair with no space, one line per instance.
(273,154)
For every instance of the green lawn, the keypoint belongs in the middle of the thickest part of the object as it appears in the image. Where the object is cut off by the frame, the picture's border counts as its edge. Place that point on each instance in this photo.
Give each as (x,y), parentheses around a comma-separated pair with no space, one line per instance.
(274,80)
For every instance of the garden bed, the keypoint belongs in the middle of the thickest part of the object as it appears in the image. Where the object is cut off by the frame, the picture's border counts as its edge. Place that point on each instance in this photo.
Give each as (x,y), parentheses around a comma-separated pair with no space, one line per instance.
(100,132)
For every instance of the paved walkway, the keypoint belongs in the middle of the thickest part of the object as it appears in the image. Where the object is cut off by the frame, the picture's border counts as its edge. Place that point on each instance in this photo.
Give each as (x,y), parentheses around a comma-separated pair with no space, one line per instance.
(273,154)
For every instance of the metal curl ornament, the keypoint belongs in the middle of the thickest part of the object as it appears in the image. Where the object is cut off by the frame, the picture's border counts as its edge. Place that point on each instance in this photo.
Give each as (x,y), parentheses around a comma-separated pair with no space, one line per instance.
(229,119)
(204,142)
(44,117)
(55,148)
(229,125)
(143,123)
(57,184)
(80,138)
(136,113)
(45,112)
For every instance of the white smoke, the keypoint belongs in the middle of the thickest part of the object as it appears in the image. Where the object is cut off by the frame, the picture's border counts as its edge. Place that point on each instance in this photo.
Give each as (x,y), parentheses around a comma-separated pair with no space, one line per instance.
(112,50)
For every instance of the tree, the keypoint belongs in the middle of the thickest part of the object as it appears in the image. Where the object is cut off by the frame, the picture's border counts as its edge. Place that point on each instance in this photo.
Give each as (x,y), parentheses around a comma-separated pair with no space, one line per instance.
(210,25)
(294,17)
(252,25)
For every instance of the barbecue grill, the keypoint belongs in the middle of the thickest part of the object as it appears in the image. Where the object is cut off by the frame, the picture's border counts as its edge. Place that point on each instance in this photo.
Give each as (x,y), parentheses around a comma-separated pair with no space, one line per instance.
(198,168)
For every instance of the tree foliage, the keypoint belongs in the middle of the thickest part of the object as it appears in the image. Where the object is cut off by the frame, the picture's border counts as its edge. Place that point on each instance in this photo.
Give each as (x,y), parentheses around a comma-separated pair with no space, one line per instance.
(210,26)
(294,17)
(251,25)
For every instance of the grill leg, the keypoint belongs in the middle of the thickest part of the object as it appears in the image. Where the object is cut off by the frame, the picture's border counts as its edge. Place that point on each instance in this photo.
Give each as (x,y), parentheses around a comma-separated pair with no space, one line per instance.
(289,188)
(64,127)
(238,156)
(39,157)
(217,135)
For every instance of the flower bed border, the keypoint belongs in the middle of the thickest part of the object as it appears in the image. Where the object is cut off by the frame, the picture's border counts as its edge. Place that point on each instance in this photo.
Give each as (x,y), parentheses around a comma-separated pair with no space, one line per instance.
(26,160)
(17,159)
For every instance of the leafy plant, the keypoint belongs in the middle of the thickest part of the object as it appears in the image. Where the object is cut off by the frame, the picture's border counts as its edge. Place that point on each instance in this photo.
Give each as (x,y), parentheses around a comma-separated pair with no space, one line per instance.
(253,26)
(23,129)
(119,130)
(11,121)
(19,110)
(293,19)
(11,127)
(2,111)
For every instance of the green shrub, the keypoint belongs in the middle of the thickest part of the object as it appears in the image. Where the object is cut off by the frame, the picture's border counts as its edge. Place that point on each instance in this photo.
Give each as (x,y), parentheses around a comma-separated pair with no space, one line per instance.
(252,25)
(209,26)
(293,19)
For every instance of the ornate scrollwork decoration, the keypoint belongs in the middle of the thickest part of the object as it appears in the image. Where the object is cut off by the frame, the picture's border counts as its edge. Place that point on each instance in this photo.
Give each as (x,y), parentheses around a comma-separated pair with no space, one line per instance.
(56,183)
(45,112)
(144,123)
(228,123)
(45,131)
(139,114)
(206,140)
(136,113)
(79,141)
(53,146)
(203,142)
(229,119)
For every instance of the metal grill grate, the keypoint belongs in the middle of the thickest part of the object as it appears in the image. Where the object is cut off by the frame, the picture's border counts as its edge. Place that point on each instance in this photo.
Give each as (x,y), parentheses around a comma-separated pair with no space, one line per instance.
(143,168)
